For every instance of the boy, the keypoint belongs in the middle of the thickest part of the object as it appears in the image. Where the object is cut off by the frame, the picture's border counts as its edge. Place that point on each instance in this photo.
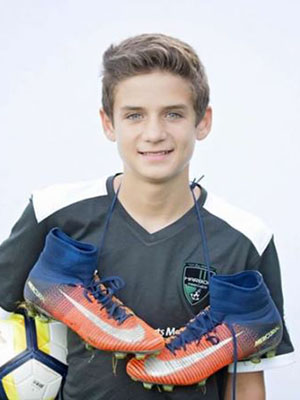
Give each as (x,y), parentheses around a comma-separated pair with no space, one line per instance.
(155,107)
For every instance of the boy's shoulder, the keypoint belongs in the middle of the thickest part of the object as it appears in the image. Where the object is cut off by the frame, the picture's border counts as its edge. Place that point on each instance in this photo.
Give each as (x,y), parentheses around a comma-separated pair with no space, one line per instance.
(251,226)
(50,199)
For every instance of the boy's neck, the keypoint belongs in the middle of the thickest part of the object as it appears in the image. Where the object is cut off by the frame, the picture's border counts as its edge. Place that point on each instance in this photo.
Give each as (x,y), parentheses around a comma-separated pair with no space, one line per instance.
(155,205)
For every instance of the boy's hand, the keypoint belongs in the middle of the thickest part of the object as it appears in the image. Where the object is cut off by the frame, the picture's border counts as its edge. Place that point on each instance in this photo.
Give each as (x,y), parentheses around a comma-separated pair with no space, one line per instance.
(249,386)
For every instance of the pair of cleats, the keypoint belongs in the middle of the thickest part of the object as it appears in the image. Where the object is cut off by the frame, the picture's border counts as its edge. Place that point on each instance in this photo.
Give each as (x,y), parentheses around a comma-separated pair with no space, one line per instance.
(242,321)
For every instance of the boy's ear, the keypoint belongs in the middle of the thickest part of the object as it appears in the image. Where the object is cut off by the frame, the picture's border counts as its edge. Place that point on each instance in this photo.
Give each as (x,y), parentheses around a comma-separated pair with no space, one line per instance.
(204,126)
(107,126)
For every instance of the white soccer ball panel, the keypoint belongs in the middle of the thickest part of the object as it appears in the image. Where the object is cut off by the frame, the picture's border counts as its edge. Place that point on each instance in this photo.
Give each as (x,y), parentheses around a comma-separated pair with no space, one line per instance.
(52,339)
(51,379)
(35,381)
(58,341)
(8,347)
(22,373)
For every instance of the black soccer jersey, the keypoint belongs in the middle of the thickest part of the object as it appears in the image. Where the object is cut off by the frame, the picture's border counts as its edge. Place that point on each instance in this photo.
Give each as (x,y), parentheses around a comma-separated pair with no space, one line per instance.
(165,274)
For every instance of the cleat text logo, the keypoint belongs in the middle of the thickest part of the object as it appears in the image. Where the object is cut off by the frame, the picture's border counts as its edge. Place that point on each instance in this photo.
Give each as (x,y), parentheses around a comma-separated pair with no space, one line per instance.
(35,291)
(267,336)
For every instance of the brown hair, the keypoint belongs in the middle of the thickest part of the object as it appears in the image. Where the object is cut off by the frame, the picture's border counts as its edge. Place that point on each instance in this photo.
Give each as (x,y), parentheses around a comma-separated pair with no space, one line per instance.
(148,52)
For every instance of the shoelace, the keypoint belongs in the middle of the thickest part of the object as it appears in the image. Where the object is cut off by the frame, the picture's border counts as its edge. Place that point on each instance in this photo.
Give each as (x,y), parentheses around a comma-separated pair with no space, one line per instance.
(202,324)
(104,293)
(208,264)
(235,360)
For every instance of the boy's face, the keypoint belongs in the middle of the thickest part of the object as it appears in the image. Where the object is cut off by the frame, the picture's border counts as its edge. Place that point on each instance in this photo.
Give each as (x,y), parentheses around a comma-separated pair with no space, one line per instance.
(154,125)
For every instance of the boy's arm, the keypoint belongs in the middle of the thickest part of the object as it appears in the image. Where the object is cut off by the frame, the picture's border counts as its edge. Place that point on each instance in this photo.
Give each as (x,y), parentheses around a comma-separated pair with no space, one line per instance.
(249,386)
(18,254)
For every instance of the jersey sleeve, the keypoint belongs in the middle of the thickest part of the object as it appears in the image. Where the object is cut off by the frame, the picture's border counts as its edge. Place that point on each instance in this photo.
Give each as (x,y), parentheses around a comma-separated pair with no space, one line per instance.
(18,254)
(268,265)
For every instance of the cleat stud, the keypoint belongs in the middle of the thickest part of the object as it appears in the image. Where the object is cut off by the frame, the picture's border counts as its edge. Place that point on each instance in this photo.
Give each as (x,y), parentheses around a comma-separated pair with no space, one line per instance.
(202,383)
(255,360)
(147,386)
(271,353)
(168,388)
(140,356)
(119,355)
(31,313)
(156,353)
(133,378)
(89,347)
(44,318)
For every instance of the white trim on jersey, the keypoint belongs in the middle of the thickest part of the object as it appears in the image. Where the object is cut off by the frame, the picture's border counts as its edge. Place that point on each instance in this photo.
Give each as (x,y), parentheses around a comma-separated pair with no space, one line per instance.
(282,360)
(53,198)
(251,226)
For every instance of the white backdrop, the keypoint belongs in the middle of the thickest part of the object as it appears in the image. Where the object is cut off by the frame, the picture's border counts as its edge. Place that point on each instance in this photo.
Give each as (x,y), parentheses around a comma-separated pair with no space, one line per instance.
(49,99)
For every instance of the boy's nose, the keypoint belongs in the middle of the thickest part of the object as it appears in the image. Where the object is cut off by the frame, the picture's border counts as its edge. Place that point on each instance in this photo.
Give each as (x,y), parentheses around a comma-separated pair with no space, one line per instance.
(154,130)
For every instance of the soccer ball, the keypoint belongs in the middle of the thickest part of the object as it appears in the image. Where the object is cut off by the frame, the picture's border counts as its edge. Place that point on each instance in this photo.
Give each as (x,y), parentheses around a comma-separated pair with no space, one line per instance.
(33,355)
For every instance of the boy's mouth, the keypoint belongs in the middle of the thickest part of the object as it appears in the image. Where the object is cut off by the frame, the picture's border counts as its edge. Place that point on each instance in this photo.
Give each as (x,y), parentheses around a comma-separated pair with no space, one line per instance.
(155,156)
(155,153)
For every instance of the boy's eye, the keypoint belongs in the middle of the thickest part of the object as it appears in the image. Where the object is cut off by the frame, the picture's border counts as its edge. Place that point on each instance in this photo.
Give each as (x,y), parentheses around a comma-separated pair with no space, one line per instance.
(132,116)
(135,116)
(174,114)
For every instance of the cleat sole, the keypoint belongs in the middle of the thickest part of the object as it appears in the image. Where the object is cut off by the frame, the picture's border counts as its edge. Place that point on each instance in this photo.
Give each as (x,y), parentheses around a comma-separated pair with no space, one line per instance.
(147,386)
(168,388)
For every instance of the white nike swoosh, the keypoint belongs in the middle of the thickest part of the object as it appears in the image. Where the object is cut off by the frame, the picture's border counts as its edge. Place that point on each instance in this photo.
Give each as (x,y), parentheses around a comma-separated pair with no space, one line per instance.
(156,367)
(132,335)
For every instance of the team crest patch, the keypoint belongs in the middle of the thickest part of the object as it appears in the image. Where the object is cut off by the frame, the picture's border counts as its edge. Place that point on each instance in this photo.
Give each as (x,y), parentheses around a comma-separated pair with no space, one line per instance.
(195,282)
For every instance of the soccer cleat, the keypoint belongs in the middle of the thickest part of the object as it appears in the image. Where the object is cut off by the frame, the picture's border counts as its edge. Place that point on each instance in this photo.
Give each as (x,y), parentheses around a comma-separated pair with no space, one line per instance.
(241,322)
(63,285)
